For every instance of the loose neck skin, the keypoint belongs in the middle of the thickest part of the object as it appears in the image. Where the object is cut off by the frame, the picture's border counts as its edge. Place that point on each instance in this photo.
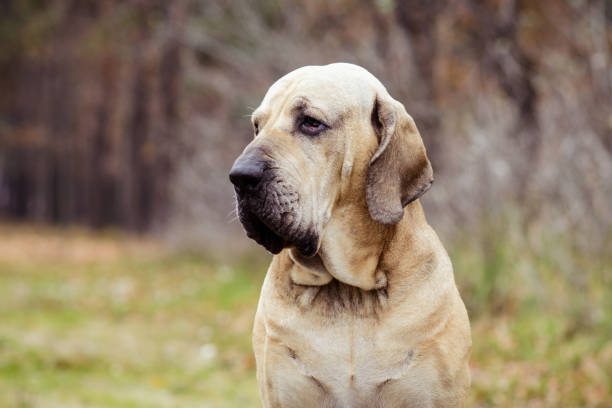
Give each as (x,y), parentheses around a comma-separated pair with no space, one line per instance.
(356,250)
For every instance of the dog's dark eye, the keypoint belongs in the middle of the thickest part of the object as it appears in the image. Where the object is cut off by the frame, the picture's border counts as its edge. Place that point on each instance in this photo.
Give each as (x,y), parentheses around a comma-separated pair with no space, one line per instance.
(256,127)
(311,126)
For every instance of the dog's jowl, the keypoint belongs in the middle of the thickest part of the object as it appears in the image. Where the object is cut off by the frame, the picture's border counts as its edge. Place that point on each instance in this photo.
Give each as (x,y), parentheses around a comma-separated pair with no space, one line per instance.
(359,307)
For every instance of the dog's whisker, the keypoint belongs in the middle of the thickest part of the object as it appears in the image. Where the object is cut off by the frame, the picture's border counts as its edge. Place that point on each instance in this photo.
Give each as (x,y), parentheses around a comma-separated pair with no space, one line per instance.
(232,216)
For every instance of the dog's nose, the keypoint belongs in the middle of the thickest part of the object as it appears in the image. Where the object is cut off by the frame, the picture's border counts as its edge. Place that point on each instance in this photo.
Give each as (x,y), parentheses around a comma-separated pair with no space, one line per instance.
(246,172)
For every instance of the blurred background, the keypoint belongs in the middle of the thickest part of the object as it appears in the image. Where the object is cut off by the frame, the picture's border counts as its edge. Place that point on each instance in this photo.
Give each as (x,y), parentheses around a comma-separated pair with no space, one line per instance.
(125,280)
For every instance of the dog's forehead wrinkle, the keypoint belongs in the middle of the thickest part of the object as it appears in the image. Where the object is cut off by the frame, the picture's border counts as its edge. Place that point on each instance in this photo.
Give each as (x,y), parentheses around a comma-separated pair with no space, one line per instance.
(338,85)
(303,105)
(335,96)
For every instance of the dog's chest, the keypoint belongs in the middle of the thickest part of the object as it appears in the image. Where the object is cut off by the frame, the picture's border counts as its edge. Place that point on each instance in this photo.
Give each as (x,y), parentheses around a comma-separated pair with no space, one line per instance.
(350,358)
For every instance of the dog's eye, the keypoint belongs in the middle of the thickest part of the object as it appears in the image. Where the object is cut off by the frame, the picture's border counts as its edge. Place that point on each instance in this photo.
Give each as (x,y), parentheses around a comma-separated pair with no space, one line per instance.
(311,126)
(256,127)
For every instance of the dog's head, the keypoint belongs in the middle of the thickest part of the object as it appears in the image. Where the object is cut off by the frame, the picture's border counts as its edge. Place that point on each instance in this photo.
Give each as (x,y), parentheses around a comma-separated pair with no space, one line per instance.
(327,139)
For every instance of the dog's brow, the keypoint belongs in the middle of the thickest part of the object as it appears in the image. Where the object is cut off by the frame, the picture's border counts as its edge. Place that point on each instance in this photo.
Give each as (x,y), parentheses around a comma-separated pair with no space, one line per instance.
(257,117)
(301,103)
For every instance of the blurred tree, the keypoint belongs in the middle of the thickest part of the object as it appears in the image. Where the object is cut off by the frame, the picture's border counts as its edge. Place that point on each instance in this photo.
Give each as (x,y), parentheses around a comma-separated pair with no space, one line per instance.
(92,101)
(419,18)
(495,37)
(120,113)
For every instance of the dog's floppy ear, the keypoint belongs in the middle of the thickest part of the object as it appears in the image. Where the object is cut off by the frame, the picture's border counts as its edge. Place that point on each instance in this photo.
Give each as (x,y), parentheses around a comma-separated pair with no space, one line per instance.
(399,171)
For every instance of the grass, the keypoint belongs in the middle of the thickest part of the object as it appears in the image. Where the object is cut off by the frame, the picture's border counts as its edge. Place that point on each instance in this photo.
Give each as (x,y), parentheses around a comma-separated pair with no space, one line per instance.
(100,320)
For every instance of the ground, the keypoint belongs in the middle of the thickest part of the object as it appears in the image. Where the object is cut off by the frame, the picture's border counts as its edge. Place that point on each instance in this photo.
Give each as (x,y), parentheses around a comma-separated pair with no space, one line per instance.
(104,320)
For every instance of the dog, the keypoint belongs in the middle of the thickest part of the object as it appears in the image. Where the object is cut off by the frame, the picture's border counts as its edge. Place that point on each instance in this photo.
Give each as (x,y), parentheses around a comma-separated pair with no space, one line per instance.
(359,307)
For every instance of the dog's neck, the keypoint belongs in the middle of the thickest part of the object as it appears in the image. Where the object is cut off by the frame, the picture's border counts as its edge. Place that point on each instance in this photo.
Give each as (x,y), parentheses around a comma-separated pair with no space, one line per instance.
(355,249)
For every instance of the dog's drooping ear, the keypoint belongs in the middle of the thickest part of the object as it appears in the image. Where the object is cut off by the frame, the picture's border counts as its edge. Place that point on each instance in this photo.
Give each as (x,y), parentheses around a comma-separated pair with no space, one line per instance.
(399,171)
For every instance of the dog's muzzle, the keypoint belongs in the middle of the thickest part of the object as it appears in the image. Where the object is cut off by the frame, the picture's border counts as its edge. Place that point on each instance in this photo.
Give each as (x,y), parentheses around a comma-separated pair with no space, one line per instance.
(268,206)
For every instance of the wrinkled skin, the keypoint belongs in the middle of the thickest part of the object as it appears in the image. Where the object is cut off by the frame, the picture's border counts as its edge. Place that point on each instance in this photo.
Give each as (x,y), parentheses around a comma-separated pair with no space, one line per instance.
(272,215)
(291,207)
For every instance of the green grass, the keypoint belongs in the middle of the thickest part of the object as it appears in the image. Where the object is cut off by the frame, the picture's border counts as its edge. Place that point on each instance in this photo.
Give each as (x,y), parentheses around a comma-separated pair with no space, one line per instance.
(541,313)
(104,321)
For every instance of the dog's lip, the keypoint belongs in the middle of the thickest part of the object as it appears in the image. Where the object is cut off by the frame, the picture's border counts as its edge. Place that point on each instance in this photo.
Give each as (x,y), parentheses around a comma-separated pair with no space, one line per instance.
(260,230)
(261,233)
(306,250)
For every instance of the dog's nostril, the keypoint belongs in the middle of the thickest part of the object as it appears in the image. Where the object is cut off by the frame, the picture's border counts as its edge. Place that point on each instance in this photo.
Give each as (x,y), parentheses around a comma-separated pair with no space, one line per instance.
(246,173)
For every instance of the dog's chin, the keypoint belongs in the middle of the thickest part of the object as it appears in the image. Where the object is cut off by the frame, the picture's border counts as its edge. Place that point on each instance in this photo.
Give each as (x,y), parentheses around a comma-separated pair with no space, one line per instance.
(275,241)
(308,247)
(260,233)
